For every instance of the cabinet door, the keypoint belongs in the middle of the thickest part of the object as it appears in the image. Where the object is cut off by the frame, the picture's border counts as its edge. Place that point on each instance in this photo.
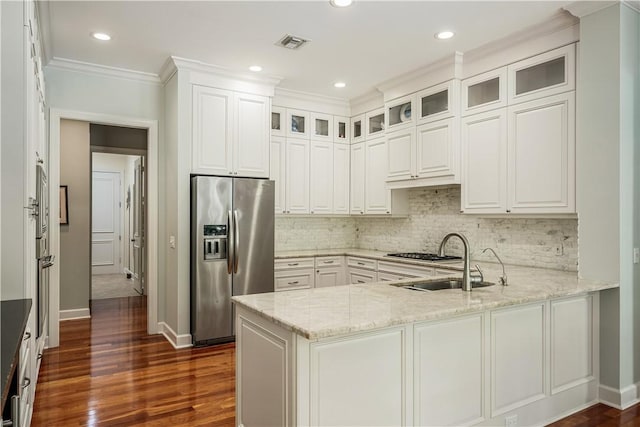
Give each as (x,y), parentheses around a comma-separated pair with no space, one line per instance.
(298,124)
(484,92)
(357,275)
(357,128)
(341,129)
(212,131)
(251,147)
(321,192)
(436,149)
(401,154)
(321,127)
(400,113)
(341,178)
(294,279)
(278,120)
(357,178)
(374,122)
(330,276)
(278,173)
(542,155)
(297,176)
(438,102)
(484,172)
(377,197)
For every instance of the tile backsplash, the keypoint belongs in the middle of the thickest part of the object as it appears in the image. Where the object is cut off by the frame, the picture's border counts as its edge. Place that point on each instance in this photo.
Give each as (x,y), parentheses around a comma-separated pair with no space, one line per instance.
(549,243)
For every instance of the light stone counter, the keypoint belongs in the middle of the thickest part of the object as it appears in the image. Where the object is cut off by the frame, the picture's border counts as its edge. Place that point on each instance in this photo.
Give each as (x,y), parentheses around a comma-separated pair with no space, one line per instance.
(324,312)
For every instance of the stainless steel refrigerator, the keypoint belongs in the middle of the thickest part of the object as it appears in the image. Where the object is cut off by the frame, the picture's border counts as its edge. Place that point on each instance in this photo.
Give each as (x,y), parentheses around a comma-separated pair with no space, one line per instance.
(231,250)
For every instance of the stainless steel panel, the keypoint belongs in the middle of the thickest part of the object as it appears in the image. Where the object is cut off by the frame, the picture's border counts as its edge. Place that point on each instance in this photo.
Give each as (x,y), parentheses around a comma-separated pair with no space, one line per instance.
(211,312)
(254,207)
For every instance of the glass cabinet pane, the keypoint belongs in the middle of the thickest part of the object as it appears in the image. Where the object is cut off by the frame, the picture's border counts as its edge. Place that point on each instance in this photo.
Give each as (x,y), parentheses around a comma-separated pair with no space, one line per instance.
(435,103)
(322,127)
(540,76)
(342,130)
(483,92)
(297,124)
(357,129)
(400,113)
(376,123)
(275,121)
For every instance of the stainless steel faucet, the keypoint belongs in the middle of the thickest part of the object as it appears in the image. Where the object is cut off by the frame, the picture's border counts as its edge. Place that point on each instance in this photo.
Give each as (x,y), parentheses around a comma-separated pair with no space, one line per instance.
(503,278)
(467,280)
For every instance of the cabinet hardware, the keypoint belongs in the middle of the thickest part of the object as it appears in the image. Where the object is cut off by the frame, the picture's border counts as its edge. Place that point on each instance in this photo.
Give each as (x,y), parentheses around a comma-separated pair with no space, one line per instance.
(361,281)
(328,262)
(361,263)
(293,283)
(39,356)
(508,210)
(26,383)
(292,264)
(27,335)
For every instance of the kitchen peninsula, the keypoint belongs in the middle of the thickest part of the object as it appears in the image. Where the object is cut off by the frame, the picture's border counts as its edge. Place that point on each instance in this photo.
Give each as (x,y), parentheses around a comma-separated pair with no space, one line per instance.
(379,354)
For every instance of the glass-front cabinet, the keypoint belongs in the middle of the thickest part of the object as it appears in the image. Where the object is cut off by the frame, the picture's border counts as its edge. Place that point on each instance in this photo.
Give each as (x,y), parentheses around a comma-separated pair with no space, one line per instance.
(543,75)
(322,127)
(340,129)
(375,122)
(399,113)
(298,123)
(357,128)
(438,102)
(484,92)
(278,115)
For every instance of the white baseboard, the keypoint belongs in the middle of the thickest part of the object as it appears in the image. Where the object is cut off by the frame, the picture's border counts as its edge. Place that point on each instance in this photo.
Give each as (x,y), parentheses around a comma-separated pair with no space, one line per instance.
(78,313)
(177,341)
(620,399)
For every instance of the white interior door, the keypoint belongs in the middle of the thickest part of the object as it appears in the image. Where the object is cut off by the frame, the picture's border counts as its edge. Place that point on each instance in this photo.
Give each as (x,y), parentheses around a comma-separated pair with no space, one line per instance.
(105,223)
(138,227)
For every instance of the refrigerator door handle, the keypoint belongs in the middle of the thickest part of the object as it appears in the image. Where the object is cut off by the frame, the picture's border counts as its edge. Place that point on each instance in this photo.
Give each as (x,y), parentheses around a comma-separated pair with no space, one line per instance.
(231,251)
(236,243)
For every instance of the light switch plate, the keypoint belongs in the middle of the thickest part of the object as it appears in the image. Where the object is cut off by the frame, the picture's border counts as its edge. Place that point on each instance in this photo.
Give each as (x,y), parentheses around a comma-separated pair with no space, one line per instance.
(172,242)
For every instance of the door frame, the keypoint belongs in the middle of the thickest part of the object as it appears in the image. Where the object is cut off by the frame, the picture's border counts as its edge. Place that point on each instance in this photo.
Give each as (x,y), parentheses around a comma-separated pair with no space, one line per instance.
(152,229)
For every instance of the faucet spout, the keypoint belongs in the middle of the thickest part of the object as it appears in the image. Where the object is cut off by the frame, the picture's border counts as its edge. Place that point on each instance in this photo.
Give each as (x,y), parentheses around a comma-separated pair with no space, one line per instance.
(466,275)
(503,278)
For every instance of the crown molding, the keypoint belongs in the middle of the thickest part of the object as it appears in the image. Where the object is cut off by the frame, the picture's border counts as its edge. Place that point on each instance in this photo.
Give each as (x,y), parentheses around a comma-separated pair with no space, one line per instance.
(44,22)
(306,96)
(103,70)
(366,102)
(175,63)
(580,9)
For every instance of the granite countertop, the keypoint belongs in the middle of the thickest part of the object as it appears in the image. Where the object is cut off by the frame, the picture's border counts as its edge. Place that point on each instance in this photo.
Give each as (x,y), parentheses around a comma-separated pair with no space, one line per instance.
(13,321)
(325,312)
(367,253)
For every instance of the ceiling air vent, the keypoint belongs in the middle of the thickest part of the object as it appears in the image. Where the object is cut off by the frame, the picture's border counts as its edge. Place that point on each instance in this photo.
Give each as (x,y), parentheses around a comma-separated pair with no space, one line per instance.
(292,42)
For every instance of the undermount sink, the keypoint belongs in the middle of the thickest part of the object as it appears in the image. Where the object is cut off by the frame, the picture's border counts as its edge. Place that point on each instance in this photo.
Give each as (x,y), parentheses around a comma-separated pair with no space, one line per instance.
(437,285)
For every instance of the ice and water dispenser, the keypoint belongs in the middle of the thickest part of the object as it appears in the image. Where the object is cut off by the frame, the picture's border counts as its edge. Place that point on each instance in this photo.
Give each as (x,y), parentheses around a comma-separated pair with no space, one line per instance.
(215,242)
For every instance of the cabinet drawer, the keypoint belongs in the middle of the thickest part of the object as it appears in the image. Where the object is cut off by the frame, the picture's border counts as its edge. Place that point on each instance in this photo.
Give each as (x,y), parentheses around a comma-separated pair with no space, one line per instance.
(359,275)
(405,269)
(298,279)
(329,261)
(370,264)
(293,263)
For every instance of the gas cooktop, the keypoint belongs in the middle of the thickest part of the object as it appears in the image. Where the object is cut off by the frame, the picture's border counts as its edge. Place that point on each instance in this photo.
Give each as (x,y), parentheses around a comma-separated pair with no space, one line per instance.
(425,256)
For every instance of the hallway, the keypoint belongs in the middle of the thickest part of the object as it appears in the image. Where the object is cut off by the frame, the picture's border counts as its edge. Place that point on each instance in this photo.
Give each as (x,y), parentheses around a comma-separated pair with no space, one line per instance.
(109,372)
(112,286)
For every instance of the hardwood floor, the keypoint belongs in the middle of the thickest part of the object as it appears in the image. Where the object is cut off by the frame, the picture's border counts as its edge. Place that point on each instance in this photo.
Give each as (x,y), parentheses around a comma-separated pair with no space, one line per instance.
(109,372)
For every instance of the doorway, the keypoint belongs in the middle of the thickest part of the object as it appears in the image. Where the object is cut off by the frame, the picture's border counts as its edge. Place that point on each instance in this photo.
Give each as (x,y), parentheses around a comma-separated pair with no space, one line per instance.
(117,224)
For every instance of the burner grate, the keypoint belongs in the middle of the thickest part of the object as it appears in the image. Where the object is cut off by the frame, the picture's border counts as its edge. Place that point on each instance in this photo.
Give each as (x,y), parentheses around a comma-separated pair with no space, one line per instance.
(425,256)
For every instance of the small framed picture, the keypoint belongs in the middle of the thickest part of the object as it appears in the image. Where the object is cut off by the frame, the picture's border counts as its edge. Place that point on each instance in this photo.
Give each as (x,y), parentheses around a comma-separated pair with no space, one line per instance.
(64,206)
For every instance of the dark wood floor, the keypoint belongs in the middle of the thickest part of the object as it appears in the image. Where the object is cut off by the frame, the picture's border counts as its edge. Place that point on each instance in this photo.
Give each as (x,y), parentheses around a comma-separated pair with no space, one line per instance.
(109,372)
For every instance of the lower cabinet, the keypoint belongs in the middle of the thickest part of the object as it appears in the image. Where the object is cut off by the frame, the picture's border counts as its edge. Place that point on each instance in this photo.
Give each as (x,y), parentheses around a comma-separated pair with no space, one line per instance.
(532,363)
(360,275)
(330,271)
(294,273)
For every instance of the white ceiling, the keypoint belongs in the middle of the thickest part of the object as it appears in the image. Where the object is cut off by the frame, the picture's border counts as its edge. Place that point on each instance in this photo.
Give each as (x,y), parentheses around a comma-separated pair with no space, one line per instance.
(363,45)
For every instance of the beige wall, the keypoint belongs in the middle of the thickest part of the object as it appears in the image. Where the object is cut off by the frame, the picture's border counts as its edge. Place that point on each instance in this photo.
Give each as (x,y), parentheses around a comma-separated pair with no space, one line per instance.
(75,238)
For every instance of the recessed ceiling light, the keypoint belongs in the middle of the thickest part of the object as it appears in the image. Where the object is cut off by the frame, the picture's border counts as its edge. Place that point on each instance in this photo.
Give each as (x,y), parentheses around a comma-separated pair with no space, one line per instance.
(340,3)
(255,68)
(101,36)
(443,35)
(339,84)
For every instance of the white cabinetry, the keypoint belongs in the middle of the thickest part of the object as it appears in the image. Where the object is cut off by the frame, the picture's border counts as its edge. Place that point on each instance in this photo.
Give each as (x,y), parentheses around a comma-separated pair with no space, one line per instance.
(297,175)
(293,273)
(341,176)
(449,362)
(357,184)
(401,157)
(230,133)
(330,271)
(357,129)
(374,122)
(278,120)
(341,127)
(377,196)
(399,113)
(278,172)
(321,127)
(322,176)
(297,124)
(484,92)
(438,102)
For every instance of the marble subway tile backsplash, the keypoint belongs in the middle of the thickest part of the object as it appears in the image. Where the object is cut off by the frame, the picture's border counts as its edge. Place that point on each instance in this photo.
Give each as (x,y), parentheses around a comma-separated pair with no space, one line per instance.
(549,243)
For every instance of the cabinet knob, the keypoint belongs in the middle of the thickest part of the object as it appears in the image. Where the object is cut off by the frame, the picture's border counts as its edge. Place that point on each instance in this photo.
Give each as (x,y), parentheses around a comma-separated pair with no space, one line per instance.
(26,383)
(27,335)
(361,212)
(508,210)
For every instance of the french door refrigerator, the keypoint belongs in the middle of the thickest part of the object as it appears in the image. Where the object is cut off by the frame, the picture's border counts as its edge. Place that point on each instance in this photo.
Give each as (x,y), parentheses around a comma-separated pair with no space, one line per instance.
(231,250)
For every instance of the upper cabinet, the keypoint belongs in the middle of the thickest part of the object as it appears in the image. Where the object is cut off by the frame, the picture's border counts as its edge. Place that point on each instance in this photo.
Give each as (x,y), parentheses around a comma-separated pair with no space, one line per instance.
(484,92)
(375,123)
(399,113)
(438,102)
(357,129)
(322,127)
(543,75)
(298,124)
(230,133)
(341,127)
(278,120)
